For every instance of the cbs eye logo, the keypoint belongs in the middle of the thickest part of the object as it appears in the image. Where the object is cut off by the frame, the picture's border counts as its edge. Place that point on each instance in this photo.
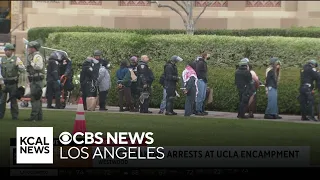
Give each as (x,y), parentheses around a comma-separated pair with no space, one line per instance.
(65,138)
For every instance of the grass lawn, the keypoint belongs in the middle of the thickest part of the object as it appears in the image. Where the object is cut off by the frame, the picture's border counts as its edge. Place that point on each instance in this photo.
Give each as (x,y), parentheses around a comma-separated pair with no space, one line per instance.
(178,131)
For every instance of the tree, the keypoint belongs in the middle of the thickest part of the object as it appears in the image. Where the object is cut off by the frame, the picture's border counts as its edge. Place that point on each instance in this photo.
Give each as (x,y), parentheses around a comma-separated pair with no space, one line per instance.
(188,19)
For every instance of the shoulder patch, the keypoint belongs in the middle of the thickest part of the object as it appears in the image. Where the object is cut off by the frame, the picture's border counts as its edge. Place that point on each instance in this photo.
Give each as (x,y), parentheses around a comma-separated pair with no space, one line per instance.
(37,58)
(142,66)
(314,69)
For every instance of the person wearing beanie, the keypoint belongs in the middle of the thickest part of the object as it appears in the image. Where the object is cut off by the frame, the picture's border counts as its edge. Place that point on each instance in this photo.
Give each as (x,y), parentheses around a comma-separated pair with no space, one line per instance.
(243,81)
(308,75)
(272,80)
(134,86)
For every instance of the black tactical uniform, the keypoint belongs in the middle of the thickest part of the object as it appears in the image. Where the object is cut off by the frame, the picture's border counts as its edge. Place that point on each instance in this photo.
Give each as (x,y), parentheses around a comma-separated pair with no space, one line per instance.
(171,78)
(243,80)
(309,74)
(135,94)
(53,80)
(145,79)
(88,79)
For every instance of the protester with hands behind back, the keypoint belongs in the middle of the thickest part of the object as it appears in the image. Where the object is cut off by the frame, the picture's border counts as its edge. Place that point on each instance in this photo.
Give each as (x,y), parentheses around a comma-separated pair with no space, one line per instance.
(202,70)
(124,87)
(104,83)
(272,80)
(190,81)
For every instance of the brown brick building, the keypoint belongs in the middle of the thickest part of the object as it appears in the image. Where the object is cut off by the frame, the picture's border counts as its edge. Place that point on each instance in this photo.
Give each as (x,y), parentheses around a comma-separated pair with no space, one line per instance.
(143,14)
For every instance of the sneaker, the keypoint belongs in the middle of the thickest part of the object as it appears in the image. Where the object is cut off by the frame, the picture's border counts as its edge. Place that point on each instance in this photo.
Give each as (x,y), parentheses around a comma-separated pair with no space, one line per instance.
(199,114)
(268,116)
(205,113)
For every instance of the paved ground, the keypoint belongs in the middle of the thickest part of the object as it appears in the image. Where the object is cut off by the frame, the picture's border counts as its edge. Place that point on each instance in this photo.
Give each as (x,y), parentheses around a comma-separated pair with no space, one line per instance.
(212,114)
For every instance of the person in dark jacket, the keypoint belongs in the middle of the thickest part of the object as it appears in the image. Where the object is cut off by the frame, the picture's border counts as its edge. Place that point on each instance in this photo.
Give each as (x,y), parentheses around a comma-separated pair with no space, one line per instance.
(171,78)
(201,70)
(272,79)
(124,86)
(145,80)
(309,74)
(190,79)
(53,80)
(65,69)
(97,54)
(88,79)
(243,81)
(135,94)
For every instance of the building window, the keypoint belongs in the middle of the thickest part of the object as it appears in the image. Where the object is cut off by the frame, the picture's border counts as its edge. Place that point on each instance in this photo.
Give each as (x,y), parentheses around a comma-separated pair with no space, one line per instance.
(93,3)
(214,4)
(134,3)
(263,4)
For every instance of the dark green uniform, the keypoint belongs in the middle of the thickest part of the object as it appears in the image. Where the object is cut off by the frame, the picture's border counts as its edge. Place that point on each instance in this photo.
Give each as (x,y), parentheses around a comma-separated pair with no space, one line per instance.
(36,71)
(10,68)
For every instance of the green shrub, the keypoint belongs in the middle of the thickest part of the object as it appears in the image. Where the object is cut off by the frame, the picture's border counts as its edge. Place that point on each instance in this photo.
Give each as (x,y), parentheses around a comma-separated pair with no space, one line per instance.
(42,33)
(226,52)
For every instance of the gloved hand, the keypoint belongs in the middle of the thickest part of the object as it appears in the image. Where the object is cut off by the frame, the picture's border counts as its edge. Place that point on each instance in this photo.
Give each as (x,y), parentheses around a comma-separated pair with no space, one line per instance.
(58,82)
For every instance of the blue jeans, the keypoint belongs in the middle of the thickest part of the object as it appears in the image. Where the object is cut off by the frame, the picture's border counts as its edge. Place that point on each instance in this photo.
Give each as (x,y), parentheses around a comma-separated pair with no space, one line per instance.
(163,102)
(202,90)
(272,107)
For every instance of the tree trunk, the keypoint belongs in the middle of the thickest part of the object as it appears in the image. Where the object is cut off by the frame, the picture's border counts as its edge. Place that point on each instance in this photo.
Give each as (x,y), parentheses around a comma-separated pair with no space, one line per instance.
(190,29)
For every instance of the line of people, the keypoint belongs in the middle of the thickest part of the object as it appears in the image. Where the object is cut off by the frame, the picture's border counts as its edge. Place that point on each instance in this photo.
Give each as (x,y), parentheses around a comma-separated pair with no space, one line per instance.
(247,83)
(134,83)
(12,67)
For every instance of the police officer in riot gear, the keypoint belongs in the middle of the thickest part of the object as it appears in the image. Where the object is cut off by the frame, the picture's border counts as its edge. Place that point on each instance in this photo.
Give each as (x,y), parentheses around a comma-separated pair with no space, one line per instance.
(11,67)
(308,74)
(171,78)
(145,79)
(88,79)
(243,80)
(53,80)
(65,69)
(134,86)
(36,71)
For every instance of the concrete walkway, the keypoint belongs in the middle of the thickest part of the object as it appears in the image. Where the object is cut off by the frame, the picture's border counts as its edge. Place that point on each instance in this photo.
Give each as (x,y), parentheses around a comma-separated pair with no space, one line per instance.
(212,114)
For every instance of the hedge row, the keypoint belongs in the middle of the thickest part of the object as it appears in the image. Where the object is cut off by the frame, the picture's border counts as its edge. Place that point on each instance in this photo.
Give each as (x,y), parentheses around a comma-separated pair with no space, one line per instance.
(226,52)
(42,33)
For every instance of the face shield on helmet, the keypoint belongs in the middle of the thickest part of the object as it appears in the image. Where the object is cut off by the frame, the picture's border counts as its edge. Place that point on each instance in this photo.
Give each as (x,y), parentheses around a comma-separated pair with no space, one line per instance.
(176,59)
(55,56)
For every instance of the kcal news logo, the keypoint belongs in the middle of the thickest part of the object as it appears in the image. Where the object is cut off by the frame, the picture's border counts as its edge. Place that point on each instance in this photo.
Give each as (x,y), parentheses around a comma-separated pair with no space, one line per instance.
(34,145)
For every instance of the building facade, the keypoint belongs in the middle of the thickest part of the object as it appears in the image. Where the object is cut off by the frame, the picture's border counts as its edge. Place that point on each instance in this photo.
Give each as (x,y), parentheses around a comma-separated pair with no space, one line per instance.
(144,14)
